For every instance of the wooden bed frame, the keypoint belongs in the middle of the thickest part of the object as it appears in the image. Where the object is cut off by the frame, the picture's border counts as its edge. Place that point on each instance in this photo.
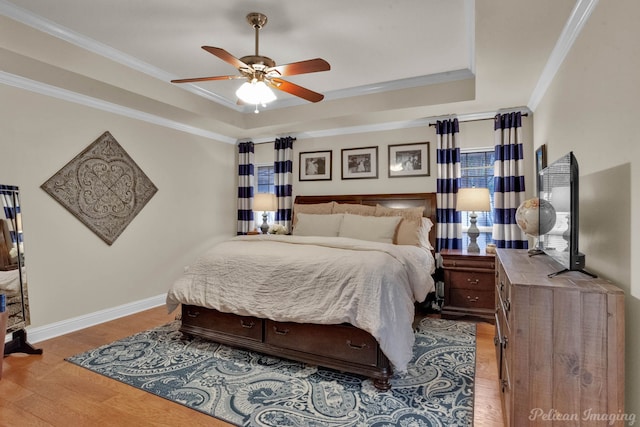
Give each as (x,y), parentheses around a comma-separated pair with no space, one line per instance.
(341,347)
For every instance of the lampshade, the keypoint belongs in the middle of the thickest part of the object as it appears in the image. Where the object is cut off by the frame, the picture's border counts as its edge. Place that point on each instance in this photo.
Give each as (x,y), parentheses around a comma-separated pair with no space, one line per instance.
(255,92)
(473,199)
(265,202)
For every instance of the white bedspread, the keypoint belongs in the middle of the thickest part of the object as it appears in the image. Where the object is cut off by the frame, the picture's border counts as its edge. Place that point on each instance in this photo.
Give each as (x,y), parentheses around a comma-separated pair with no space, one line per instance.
(10,282)
(323,280)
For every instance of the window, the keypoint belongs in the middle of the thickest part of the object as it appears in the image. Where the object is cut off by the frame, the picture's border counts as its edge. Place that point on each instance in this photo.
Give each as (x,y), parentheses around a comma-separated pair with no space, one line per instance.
(264,178)
(264,184)
(477,171)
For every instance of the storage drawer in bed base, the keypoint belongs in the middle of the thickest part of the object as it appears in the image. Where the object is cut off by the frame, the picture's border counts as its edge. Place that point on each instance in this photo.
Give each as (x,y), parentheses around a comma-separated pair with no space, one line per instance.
(341,347)
(342,342)
(246,327)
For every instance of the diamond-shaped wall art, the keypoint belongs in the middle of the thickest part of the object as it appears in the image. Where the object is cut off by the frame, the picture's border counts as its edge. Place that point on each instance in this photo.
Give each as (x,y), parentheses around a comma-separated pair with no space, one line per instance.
(102,187)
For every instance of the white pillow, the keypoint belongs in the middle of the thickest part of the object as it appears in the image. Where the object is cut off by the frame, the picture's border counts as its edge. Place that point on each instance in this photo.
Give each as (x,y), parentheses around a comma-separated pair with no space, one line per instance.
(313,208)
(423,233)
(373,228)
(317,225)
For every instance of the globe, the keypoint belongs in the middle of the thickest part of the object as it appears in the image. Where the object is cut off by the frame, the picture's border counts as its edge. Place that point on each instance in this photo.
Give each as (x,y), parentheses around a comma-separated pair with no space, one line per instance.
(535,217)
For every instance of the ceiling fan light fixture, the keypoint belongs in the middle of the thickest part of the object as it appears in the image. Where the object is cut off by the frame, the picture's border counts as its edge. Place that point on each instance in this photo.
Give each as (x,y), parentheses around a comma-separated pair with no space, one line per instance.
(255,92)
(258,68)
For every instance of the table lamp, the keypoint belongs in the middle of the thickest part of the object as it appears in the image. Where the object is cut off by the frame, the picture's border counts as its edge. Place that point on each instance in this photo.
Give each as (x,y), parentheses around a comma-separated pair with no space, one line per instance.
(265,202)
(472,200)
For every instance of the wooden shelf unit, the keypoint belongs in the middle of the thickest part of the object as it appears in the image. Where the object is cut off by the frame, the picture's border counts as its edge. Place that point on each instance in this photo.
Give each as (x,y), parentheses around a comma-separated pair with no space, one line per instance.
(559,343)
(469,283)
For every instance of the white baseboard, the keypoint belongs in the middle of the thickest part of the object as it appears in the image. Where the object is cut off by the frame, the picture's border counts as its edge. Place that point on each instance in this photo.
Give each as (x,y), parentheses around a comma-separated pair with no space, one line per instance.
(56,329)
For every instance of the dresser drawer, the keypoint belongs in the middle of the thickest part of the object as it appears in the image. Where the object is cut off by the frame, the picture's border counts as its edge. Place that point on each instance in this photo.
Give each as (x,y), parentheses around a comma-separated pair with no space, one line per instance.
(470,280)
(469,285)
(471,298)
(503,295)
(503,287)
(507,393)
(356,344)
(227,323)
(504,333)
(462,263)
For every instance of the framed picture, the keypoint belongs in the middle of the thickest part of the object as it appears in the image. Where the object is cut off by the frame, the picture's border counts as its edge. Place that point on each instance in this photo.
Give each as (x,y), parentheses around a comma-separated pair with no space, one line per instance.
(315,166)
(409,160)
(541,163)
(360,163)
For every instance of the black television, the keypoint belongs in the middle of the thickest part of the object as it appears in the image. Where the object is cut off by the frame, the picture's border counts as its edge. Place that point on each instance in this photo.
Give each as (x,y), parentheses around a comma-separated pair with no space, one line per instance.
(559,186)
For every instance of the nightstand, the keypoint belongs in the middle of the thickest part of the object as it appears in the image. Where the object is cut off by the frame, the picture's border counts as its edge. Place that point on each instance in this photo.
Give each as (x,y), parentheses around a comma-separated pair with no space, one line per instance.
(469,285)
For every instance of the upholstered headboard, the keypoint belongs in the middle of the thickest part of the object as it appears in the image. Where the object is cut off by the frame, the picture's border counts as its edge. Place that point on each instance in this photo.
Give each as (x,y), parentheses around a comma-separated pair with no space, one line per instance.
(398,201)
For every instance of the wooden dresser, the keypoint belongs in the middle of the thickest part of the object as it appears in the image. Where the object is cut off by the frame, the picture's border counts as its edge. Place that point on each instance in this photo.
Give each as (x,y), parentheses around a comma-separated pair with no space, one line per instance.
(469,283)
(559,343)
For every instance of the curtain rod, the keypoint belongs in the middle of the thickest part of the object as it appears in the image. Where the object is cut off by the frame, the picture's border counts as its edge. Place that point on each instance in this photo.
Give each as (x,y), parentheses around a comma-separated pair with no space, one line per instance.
(259,141)
(477,120)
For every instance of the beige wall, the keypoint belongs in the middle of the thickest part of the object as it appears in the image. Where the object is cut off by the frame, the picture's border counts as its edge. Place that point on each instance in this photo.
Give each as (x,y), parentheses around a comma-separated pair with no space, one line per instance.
(591,108)
(71,271)
(476,134)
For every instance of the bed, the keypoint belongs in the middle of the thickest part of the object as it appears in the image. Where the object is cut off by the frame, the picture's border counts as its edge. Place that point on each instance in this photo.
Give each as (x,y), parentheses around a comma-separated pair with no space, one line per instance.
(355,318)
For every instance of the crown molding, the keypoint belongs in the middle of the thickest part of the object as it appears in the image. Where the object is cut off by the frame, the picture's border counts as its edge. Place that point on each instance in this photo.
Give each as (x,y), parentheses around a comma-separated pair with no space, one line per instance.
(67,95)
(470,19)
(408,83)
(406,124)
(578,18)
(26,17)
(49,27)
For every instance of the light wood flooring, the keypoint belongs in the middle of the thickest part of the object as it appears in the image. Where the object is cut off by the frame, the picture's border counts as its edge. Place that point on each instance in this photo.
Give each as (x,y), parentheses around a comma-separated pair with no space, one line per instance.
(45,390)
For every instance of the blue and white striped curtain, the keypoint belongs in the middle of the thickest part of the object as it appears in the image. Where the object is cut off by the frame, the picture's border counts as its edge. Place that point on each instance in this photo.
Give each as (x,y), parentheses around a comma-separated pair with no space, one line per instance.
(508,175)
(11,207)
(449,227)
(245,187)
(283,180)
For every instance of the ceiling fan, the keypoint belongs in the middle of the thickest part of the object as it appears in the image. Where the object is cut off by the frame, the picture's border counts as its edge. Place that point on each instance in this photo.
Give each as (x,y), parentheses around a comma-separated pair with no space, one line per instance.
(262,72)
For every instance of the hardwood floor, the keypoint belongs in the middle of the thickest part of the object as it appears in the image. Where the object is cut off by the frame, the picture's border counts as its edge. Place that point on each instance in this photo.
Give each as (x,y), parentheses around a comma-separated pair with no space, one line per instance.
(47,391)
(487,405)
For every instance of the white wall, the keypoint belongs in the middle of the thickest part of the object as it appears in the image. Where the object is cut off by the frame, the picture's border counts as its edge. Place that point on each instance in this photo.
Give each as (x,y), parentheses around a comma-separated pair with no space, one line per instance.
(72,272)
(591,108)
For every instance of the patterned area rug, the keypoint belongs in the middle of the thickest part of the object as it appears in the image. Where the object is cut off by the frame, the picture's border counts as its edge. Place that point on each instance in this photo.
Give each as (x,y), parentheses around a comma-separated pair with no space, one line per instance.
(250,389)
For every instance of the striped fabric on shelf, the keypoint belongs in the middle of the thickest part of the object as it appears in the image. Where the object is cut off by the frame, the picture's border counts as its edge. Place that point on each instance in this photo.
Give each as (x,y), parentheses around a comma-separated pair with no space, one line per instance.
(245,187)
(449,226)
(11,207)
(283,180)
(508,181)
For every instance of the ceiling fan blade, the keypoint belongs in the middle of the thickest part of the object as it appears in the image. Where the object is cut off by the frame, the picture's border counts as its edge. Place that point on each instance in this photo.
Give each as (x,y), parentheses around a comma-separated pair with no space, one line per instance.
(225,56)
(206,79)
(302,67)
(296,90)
